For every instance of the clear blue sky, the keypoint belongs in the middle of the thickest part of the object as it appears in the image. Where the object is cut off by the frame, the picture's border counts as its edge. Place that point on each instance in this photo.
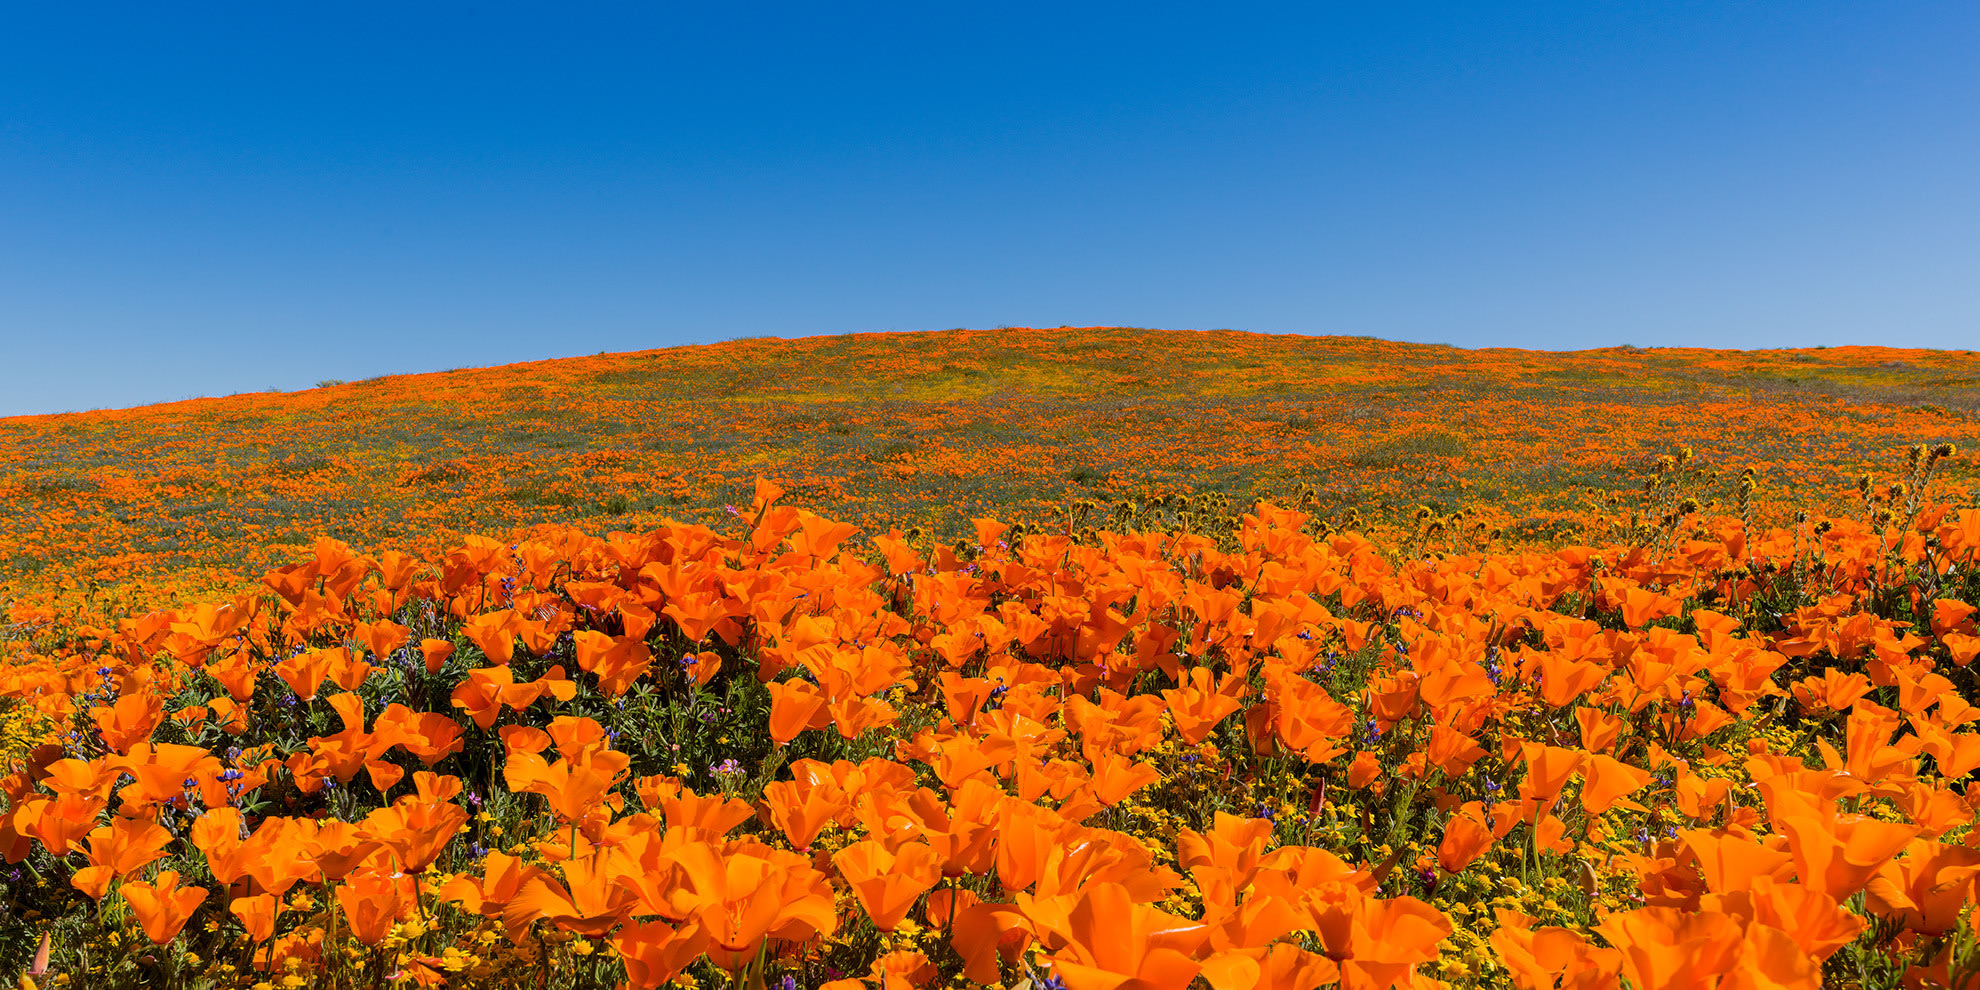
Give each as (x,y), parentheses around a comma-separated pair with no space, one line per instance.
(209,198)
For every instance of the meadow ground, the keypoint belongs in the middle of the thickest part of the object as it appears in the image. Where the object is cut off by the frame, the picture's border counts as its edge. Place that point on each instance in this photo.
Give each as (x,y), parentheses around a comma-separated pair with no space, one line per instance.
(1081,658)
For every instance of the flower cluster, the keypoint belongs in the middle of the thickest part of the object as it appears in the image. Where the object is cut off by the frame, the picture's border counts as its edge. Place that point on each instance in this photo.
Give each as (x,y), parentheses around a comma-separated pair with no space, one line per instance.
(1145,758)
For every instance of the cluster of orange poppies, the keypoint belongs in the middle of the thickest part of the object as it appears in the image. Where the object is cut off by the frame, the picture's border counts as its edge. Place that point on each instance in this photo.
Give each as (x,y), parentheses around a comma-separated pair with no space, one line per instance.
(1144,761)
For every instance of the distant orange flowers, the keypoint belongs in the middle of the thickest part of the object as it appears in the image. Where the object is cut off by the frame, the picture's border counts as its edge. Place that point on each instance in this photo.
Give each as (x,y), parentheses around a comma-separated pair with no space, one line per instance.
(929,429)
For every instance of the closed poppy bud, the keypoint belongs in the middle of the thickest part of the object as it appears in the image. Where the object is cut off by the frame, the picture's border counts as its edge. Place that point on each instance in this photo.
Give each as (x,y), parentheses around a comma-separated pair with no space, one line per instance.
(1258,729)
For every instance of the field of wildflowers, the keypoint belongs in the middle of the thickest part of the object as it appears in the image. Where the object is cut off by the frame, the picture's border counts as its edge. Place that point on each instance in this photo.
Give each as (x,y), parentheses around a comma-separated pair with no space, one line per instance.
(1385,711)
(925,431)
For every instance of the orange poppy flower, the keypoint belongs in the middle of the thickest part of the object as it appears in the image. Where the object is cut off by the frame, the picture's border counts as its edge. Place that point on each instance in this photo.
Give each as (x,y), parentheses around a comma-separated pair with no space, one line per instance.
(1108,941)
(962,843)
(887,882)
(121,848)
(962,756)
(594,903)
(342,755)
(130,721)
(1599,729)
(429,736)
(655,953)
(1668,947)
(416,828)
(701,667)
(1452,751)
(1642,607)
(1377,943)
(502,878)
(305,672)
(1116,776)
(488,690)
(794,707)
(1364,769)
(803,807)
(59,824)
(1233,843)
(161,771)
(1282,966)
(702,614)
(229,715)
(1307,719)
(277,855)
(749,893)
(684,809)
(218,834)
(373,901)
(1607,783)
(347,669)
(257,915)
(1199,704)
(238,673)
(618,662)
(495,634)
(334,847)
(904,969)
(982,933)
(1466,837)
(577,789)
(1838,854)
(1550,957)
(1834,690)
(435,653)
(161,905)
(1564,679)
(1548,769)
(1928,889)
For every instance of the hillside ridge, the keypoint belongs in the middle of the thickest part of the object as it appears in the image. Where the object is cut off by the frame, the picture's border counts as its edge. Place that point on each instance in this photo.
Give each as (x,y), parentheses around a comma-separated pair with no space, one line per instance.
(933,428)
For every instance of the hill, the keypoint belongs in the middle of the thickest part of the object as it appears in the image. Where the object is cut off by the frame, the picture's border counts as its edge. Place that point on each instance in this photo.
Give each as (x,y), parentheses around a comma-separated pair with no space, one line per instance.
(930,429)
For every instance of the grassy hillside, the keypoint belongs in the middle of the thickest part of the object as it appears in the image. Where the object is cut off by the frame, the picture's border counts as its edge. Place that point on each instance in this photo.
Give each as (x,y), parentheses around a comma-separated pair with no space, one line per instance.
(930,429)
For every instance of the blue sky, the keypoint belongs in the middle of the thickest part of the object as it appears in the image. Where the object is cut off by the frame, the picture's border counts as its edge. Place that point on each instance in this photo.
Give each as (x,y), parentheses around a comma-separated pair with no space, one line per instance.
(200,199)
